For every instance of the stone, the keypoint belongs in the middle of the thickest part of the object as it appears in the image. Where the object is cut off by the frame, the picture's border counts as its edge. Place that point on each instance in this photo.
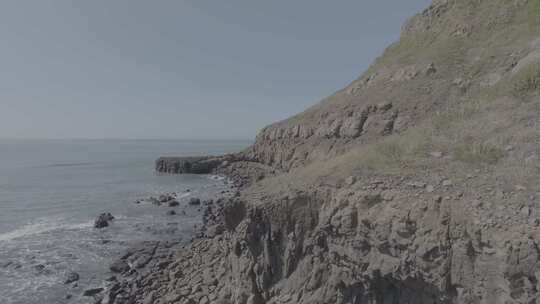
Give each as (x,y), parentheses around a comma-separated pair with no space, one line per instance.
(447,183)
(430,188)
(71,277)
(521,188)
(215,230)
(417,184)
(349,181)
(119,266)
(92,292)
(173,203)
(194,201)
(171,212)
(436,154)
(103,220)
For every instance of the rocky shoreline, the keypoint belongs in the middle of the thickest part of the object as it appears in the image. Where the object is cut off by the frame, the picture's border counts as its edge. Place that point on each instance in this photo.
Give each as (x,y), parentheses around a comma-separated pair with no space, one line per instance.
(131,273)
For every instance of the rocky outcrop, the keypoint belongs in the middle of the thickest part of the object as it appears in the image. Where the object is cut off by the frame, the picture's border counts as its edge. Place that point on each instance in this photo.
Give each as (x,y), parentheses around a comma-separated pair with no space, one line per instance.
(377,241)
(187,165)
(103,220)
(449,226)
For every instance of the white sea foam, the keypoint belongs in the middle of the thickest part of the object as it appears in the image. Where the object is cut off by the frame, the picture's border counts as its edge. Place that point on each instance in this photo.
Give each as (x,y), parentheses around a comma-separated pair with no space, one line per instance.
(42,226)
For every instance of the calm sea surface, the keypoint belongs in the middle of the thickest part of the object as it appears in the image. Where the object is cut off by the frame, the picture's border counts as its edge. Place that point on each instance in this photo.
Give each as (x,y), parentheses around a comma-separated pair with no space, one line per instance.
(52,190)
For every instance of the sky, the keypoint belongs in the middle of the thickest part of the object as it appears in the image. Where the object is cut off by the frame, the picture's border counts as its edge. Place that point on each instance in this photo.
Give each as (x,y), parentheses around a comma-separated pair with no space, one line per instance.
(180,69)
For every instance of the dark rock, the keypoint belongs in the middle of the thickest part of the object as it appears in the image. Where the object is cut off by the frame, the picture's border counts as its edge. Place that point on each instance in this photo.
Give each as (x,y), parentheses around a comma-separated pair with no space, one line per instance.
(71,277)
(39,268)
(194,201)
(171,212)
(173,203)
(154,201)
(103,220)
(119,266)
(165,198)
(92,292)
(187,165)
(215,230)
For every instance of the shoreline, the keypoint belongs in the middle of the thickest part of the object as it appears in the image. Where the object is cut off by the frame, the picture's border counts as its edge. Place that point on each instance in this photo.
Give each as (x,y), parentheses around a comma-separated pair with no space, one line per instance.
(146,257)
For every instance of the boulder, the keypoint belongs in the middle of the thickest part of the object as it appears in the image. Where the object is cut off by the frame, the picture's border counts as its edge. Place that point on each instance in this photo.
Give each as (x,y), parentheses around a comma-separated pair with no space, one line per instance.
(165,198)
(119,266)
(92,292)
(103,220)
(194,201)
(71,277)
(154,201)
(173,203)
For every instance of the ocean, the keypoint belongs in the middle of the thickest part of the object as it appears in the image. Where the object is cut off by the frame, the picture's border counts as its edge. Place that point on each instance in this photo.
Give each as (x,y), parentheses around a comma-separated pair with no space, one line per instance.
(52,190)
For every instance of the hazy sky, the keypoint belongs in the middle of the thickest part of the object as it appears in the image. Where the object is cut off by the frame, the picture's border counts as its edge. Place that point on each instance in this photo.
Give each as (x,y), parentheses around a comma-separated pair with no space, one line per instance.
(180,69)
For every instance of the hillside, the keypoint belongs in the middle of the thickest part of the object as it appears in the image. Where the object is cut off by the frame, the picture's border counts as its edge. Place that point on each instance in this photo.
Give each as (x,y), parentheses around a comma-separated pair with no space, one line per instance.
(419,182)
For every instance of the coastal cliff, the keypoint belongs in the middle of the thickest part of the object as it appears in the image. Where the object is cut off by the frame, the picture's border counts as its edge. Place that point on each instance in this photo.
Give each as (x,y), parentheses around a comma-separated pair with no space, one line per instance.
(417,183)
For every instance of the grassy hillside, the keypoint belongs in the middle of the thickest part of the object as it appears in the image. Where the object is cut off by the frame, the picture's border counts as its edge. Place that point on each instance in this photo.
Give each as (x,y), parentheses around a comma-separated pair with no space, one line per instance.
(465,80)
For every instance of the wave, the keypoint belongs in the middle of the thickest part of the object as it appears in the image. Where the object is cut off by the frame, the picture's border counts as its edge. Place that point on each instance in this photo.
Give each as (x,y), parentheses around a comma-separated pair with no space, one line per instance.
(43,226)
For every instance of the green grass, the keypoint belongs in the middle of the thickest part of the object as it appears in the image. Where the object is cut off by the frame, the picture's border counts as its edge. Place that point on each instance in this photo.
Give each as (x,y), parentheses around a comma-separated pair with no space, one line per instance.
(527,81)
(478,153)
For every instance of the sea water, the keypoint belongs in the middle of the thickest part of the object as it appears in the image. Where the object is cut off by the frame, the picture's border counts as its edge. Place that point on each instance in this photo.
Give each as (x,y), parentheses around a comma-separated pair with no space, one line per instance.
(52,190)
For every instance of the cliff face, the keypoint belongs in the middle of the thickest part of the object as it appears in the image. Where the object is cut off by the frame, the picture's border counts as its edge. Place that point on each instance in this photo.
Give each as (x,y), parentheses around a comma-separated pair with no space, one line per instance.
(417,183)
(450,52)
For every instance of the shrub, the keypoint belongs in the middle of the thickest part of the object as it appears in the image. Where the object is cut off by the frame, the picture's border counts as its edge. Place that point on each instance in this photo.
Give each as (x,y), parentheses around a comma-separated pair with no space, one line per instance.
(527,81)
(476,153)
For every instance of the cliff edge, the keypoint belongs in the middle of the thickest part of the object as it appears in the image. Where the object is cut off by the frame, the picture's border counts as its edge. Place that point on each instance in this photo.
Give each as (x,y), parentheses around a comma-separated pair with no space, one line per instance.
(419,182)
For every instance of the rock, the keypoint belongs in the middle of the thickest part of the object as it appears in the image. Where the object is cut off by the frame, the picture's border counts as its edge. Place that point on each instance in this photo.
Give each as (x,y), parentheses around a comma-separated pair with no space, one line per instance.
(521,188)
(215,230)
(436,154)
(194,201)
(349,181)
(430,69)
(173,203)
(92,292)
(525,210)
(447,183)
(166,198)
(384,106)
(417,184)
(103,220)
(71,277)
(430,188)
(39,268)
(154,201)
(119,266)
(171,212)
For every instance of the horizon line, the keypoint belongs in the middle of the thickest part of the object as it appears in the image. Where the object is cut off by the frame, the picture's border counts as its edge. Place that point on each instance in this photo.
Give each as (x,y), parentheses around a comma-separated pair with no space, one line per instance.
(124,138)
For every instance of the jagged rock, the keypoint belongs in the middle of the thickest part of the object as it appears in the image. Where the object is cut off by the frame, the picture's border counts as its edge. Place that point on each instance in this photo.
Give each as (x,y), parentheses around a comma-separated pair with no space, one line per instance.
(92,292)
(173,203)
(119,266)
(71,277)
(103,220)
(308,236)
(194,201)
